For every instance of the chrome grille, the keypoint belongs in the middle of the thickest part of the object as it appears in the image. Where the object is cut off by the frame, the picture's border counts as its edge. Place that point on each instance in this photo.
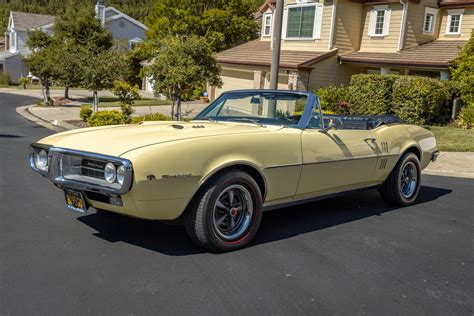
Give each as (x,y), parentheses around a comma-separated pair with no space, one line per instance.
(92,168)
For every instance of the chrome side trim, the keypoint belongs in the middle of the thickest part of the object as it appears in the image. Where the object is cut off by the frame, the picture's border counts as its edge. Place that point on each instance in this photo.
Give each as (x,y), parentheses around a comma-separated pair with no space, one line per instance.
(314,199)
(329,161)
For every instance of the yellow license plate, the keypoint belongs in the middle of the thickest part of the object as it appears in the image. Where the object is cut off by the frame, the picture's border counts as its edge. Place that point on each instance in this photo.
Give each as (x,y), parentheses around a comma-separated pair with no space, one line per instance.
(75,201)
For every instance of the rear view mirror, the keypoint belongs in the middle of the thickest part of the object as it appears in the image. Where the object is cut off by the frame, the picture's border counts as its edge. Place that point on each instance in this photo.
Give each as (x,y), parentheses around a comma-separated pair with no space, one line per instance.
(256,100)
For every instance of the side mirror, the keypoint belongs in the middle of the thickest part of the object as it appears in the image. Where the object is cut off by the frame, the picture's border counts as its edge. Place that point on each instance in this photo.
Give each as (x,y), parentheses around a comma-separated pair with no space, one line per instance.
(330,126)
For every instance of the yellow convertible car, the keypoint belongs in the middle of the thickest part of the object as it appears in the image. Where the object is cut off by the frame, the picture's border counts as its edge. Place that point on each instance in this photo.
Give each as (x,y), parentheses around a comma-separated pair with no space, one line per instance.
(247,152)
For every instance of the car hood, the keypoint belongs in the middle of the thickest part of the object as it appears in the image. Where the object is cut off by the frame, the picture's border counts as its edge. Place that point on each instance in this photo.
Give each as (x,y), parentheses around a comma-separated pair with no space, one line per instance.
(117,140)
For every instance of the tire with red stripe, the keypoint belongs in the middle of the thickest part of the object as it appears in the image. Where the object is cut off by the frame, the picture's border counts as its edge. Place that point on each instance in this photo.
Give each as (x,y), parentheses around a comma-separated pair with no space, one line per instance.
(226,212)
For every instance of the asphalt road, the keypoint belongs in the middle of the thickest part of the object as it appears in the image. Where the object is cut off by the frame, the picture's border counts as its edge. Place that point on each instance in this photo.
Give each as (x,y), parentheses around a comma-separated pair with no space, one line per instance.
(350,255)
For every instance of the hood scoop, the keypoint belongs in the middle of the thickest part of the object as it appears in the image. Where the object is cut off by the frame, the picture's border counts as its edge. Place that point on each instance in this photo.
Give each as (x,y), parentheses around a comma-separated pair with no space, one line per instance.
(177,126)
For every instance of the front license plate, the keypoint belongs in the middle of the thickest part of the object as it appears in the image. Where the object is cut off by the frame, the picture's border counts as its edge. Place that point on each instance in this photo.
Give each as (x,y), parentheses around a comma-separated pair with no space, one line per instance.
(75,201)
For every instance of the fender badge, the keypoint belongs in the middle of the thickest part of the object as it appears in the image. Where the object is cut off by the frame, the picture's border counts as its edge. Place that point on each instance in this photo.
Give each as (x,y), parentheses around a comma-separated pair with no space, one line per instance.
(175,176)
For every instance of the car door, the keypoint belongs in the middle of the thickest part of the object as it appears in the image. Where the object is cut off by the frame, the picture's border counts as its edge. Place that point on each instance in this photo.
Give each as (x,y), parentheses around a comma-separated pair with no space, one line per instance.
(336,161)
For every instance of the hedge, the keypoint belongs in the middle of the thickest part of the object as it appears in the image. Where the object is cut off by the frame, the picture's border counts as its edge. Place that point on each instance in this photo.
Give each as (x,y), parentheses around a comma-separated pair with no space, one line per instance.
(150,117)
(4,79)
(102,118)
(420,100)
(371,94)
(416,100)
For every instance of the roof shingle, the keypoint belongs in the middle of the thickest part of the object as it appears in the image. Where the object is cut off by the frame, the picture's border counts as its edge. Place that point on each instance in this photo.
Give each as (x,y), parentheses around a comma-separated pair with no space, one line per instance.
(435,54)
(27,21)
(259,53)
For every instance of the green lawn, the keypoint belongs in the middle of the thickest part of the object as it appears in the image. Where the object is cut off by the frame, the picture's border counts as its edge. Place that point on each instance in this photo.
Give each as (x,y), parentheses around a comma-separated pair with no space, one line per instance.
(113,102)
(453,139)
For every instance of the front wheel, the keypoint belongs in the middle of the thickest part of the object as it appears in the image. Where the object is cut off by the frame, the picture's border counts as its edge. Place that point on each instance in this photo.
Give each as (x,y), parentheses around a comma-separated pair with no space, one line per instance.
(403,184)
(226,213)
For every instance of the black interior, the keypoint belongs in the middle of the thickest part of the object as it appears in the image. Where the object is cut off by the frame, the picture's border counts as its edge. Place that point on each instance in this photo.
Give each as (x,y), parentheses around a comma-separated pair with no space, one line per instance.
(360,122)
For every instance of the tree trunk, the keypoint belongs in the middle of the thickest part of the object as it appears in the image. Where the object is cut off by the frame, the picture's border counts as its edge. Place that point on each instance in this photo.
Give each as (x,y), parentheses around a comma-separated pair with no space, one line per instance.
(94,102)
(47,95)
(66,92)
(172,108)
(178,109)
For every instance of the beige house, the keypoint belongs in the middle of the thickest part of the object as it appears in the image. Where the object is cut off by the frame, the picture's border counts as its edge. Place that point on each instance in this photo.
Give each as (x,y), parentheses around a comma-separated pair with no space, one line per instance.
(325,42)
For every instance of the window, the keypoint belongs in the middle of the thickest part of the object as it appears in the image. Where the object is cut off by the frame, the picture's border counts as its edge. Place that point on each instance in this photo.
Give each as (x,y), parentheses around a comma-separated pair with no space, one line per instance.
(267,25)
(429,23)
(379,21)
(430,19)
(12,37)
(454,21)
(301,21)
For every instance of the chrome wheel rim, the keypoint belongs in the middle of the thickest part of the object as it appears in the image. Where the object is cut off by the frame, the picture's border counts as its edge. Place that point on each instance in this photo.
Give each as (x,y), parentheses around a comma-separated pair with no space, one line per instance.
(232,213)
(408,180)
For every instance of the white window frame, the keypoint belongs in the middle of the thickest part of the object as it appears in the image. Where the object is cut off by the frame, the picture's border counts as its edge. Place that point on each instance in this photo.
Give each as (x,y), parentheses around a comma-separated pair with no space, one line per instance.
(459,12)
(265,25)
(386,21)
(434,12)
(13,41)
(318,21)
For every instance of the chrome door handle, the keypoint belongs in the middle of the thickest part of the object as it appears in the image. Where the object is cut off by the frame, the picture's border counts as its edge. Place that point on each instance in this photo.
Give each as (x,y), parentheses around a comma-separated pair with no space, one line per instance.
(370,139)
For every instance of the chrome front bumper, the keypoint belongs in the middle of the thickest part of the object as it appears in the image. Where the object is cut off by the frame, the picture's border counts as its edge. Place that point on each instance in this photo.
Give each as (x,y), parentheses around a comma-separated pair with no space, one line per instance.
(435,155)
(56,172)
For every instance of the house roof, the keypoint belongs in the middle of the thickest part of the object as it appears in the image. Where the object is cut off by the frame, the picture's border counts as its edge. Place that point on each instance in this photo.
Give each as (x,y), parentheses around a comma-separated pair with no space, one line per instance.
(259,53)
(119,14)
(26,21)
(5,55)
(455,3)
(436,54)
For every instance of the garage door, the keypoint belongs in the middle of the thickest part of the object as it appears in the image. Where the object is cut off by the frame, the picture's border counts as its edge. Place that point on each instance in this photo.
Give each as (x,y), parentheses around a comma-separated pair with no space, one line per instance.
(234,80)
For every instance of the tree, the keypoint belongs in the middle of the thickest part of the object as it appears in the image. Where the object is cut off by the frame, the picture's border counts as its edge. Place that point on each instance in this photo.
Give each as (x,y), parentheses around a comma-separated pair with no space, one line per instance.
(127,95)
(66,60)
(75,33)
(181,65)
(99,71)
(40,61)
(223,23)
(462,72)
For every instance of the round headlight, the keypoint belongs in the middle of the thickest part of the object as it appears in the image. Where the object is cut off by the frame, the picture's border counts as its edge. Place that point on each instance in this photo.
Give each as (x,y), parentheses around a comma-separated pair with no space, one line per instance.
(41,160)
(110,174)
(121,174)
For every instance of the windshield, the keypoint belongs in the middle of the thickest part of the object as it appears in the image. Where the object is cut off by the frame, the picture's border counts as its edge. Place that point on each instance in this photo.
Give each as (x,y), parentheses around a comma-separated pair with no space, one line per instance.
(261,108)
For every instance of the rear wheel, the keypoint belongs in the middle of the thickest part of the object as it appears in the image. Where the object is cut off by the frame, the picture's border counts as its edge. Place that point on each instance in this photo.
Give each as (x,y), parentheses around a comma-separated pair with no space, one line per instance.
(226,213)
(403,184)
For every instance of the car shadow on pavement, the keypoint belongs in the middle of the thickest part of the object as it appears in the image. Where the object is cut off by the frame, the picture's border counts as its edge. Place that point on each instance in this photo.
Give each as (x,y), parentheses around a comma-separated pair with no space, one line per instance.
(276,225)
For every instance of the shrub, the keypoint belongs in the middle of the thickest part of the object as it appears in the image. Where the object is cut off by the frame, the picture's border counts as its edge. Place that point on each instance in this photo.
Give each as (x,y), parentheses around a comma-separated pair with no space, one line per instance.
(420,100)
(86,112)
(127,95)
(150,117)
(462,71)
(4,79)
(371,94)
(23,81)
(334,99)
(102,118)
(466,117)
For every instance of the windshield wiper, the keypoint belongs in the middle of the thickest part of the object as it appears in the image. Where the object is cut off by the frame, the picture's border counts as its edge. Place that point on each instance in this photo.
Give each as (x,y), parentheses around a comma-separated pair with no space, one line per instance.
(248,120)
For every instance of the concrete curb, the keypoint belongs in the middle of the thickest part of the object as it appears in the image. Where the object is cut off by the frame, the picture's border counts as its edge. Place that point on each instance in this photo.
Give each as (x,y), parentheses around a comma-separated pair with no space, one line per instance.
(26,113)
(443,173)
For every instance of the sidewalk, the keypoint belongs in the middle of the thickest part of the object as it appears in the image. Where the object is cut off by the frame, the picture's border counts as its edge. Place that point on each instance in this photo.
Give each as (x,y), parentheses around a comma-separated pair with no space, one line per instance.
(452,164)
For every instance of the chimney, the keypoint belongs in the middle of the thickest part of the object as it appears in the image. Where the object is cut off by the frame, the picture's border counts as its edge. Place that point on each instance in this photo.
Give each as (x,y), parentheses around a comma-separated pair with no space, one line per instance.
(100,11)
